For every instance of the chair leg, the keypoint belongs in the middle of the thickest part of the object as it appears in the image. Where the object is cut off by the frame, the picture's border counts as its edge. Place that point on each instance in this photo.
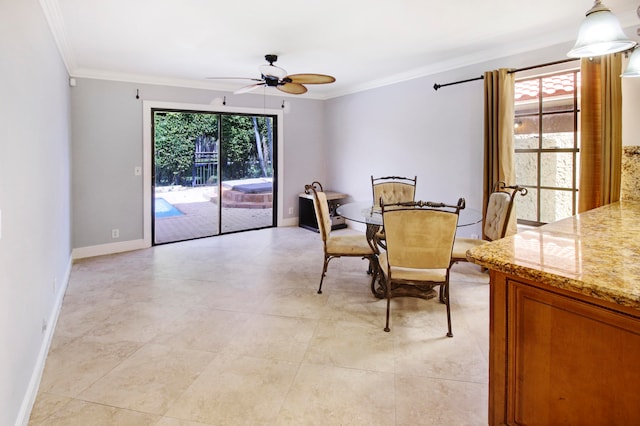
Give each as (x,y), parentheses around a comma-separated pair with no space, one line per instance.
(386,327)
(387,286)
(446,298)
(324,272)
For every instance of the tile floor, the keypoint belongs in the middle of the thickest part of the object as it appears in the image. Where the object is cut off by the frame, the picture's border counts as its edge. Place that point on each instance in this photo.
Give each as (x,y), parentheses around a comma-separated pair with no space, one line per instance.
(230,330)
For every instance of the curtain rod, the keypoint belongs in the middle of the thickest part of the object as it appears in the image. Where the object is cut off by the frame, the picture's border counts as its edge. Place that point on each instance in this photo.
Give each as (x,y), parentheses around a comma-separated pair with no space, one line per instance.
(562,61)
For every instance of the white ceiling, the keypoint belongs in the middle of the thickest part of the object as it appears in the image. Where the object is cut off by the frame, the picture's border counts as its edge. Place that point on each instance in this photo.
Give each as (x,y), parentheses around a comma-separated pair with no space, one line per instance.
(363,43)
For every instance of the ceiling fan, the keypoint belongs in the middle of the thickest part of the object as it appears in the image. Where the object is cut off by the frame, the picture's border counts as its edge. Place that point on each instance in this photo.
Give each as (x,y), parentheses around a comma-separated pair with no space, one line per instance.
(273,76)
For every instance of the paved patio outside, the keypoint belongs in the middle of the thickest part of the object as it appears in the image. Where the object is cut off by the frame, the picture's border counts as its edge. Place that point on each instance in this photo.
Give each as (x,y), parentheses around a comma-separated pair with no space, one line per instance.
(200,215)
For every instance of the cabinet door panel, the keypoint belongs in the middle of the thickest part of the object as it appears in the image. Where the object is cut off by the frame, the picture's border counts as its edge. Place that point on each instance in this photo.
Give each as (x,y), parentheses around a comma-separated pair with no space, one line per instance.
(570,362)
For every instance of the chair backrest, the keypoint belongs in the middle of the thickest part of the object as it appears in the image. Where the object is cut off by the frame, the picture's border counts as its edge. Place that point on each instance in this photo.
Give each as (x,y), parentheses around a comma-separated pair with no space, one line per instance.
(321,208)
(393,189)
(420,235)
(499,210)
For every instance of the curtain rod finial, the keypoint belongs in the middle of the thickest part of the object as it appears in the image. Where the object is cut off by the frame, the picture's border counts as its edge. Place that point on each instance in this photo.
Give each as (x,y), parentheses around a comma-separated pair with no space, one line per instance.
(436,86)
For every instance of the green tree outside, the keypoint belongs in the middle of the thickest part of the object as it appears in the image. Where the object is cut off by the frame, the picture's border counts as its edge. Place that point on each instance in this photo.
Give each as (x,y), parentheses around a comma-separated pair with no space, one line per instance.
(247,145)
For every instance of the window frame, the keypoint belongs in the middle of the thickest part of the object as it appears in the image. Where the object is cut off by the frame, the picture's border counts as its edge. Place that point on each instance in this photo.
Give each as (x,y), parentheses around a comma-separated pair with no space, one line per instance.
(537,189)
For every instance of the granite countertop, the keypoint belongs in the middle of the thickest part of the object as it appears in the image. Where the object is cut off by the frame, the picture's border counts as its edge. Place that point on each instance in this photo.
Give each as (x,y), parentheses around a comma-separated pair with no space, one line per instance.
(596,253)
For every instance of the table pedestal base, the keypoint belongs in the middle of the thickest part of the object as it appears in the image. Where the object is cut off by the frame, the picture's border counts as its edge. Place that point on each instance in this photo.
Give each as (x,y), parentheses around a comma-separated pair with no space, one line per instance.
(421,291)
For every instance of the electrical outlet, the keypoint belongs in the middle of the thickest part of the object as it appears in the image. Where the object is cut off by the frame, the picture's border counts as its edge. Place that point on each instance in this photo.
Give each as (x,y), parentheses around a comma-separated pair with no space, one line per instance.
(44,325)
(476,236)
(290,210)
(137,171)
(115,233)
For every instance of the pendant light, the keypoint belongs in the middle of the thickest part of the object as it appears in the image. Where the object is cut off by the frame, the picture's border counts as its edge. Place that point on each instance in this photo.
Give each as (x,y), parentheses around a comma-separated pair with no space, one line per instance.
(633,66)
(600,34)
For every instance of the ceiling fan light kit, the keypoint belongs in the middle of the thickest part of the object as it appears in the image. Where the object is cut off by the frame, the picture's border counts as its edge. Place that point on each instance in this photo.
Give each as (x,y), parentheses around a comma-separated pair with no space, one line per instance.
(273,76)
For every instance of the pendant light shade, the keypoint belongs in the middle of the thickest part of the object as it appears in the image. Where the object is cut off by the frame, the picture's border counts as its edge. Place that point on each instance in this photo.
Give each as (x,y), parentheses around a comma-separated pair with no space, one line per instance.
(600,34)
(633,66)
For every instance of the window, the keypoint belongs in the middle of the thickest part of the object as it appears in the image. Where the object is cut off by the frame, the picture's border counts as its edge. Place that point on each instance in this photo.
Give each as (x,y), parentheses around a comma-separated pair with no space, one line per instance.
(547,146)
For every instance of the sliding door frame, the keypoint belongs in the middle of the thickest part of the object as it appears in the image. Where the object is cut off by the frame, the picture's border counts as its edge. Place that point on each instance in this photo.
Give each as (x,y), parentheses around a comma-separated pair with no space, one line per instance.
(147,152)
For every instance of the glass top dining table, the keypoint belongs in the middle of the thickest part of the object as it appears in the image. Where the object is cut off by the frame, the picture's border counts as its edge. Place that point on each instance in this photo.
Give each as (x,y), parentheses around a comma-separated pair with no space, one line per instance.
(363,212)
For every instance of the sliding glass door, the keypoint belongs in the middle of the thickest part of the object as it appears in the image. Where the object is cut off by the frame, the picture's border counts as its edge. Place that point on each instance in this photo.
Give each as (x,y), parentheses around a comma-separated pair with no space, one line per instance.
(213,174)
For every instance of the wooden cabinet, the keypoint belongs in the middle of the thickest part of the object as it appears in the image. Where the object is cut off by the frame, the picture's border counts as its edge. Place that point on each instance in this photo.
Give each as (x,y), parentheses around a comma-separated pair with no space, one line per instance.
(562,358)
(307,215)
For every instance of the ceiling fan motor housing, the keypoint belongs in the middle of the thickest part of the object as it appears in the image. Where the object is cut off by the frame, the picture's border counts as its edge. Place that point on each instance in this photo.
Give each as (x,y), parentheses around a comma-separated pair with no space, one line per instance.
(271,81)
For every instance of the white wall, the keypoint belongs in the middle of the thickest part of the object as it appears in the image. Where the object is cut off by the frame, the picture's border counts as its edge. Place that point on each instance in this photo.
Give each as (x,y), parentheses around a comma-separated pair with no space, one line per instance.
(34,198)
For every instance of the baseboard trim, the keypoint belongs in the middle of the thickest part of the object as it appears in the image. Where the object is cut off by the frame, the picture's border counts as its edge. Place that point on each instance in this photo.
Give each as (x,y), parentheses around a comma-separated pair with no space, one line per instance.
(36,376)
(292,221)
(111,248)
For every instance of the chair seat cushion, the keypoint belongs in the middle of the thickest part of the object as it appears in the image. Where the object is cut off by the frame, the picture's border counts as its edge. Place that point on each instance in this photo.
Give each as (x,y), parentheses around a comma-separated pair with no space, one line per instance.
(461,245)
(410,274)
(349,244)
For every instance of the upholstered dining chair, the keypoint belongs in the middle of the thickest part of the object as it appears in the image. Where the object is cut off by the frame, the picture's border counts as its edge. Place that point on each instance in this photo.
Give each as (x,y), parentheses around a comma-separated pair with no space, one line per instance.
(392,189)
(353,245)
(496,221)
(418,256)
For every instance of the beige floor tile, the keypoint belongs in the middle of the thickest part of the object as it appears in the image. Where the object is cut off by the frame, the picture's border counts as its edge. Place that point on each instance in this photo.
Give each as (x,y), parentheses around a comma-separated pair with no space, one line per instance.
(356,306)
(45,406)
(136,322)
(424,401)
(82,413)
(237,390)
(150,380)
(170,421)
(80,313)
(203,330)
(327,395)
(351,345)
(273,337)
(234,296)
(293,302)
(425,353)
(231,330)
(76,365)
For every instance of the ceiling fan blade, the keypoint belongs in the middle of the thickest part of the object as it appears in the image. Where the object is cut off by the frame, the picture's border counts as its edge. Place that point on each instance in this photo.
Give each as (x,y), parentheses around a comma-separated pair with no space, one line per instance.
(293,88)
(248,88)
(311,78)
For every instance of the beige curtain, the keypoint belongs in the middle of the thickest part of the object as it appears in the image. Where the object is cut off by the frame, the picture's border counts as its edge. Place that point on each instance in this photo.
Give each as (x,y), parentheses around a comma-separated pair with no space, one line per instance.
(600,131)
(498,135)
